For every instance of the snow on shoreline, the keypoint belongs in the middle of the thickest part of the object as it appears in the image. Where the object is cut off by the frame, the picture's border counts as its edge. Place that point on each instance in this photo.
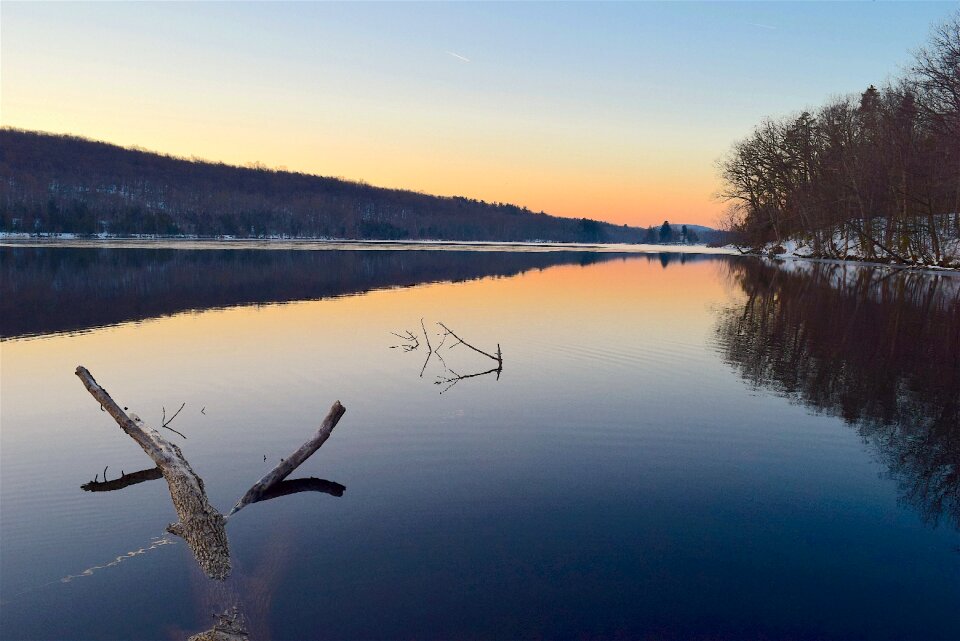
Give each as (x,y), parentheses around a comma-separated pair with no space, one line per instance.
(8,239)
(794,250)
(846,247)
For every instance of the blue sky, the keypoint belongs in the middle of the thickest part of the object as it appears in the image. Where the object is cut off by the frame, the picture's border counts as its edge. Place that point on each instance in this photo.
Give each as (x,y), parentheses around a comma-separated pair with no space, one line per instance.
(610,110)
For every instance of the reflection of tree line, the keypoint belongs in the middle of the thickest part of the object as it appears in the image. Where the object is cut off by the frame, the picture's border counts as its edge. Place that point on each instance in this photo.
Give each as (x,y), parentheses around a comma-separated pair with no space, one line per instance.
(879,349)
(45,290)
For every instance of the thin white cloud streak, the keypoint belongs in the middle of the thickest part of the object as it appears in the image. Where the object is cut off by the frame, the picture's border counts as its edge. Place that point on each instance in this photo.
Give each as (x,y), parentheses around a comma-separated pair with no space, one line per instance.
(458,56)
(762,26)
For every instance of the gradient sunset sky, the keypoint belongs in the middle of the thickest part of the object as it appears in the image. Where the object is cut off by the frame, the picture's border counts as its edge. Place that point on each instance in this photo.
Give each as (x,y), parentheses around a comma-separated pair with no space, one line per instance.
(610,111)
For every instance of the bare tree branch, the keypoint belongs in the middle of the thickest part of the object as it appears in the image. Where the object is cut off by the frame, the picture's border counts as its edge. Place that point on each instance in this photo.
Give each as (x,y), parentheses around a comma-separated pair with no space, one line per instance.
(288,465)
(411,342)
(201,525)
(498,357)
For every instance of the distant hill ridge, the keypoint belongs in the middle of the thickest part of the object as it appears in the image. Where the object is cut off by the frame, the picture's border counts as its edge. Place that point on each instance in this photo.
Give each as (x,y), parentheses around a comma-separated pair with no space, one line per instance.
(56,183)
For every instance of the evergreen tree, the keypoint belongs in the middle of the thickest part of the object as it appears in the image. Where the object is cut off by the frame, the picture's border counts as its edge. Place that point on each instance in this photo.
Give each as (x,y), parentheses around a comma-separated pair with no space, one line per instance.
(666,232)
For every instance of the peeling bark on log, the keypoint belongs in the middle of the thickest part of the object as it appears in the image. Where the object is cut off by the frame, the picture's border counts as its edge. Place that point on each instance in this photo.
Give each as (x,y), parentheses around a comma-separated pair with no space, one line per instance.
(288,465)
(201,525)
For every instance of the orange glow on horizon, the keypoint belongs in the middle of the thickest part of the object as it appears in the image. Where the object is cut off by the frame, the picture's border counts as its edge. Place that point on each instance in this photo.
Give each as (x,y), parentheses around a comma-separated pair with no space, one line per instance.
(619,195)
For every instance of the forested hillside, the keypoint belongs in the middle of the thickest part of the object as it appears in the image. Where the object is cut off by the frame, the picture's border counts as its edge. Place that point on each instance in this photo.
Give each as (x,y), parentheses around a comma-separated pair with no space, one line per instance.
(875,176)
(52,183)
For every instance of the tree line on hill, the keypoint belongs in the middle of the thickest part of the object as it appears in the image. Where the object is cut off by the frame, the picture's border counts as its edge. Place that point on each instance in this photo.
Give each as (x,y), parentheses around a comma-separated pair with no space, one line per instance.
(882,168)
(65,184)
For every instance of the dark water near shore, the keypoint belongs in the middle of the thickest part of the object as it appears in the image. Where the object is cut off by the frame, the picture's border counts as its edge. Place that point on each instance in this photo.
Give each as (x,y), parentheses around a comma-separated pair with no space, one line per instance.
(678,446)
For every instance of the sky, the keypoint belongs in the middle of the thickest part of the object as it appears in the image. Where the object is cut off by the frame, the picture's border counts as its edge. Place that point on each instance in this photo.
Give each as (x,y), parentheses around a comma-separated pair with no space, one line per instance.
(614,111)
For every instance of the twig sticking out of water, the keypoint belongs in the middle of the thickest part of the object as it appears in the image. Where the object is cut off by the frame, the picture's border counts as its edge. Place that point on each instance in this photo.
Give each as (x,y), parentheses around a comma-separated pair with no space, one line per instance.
(451,377)
(410,341)
(460,341)
(429,348)
(164,423)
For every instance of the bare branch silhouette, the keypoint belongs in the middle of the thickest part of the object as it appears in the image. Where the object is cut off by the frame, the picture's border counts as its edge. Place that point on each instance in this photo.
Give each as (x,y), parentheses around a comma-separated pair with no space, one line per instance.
(450,381)
(426,336)
(450,377)
(410,341)
(125,480)
(164,423)
(460,341)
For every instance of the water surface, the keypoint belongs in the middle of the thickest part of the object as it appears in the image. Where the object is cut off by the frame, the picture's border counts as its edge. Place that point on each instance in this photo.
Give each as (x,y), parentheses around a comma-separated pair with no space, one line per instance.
(678,446)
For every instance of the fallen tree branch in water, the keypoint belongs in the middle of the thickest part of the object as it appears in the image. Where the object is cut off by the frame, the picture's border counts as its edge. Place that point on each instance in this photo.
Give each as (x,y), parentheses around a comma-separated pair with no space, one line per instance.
(451,377)
(201,525)
(292,462)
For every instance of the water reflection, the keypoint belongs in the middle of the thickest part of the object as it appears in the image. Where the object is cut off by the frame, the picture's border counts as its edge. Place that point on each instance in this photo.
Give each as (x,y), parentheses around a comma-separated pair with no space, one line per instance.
(46,290)
(878,348)
(283,488)
(124,480)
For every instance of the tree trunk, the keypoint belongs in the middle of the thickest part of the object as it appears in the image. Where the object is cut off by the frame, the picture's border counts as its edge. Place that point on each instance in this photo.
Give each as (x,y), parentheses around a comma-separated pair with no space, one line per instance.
(201,525)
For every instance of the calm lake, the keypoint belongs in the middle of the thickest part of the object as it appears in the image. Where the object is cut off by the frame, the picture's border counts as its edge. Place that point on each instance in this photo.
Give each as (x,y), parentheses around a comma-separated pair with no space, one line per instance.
(678,445)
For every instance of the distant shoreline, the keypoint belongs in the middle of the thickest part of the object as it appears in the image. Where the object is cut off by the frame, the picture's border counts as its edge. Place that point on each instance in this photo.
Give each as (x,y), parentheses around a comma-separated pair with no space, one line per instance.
(320,244)
(331,244)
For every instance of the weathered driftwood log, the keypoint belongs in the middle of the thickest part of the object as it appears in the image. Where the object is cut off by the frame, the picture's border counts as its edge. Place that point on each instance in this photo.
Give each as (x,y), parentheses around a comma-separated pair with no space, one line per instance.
(201,525)
(288,465)
(125,480)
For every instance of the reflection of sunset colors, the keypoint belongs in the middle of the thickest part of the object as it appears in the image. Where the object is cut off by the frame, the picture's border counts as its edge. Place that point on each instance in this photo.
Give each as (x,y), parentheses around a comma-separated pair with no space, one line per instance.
(618,289)
(636,432)
(615,112)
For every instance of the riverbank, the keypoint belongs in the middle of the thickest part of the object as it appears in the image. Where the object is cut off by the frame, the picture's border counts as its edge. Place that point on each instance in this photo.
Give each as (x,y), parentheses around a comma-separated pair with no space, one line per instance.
(319,244)
(847,249)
